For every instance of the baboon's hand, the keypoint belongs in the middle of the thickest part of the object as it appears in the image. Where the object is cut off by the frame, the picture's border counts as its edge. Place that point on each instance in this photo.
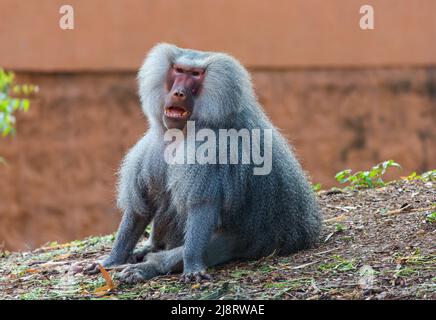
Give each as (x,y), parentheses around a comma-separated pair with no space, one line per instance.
(195,276)
(138,272)
(107,263)
(138,255)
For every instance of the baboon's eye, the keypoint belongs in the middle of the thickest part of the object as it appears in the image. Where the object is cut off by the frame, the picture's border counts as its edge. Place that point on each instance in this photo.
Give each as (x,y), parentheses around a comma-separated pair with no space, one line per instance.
(179,70)
(195,73)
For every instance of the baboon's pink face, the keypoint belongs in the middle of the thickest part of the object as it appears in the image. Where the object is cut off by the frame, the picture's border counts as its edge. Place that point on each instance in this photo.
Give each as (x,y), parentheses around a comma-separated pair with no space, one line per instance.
(183,85)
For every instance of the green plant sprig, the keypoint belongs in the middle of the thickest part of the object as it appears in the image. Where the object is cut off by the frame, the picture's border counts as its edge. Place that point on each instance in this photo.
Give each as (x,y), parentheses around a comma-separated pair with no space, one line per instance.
(366,179)
(13,97)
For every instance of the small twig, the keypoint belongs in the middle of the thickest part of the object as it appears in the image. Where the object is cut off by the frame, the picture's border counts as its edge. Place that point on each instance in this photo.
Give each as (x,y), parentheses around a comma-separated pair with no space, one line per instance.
(301,266)
(329,236)
(335,219)
(339,208)
(116,268)
(326,251)
(50,264)
(331,192)
(54,247)
(407,209)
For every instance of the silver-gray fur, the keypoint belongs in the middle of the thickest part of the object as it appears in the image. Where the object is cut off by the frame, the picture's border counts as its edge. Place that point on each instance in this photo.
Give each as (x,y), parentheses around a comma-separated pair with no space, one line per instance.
(204,215)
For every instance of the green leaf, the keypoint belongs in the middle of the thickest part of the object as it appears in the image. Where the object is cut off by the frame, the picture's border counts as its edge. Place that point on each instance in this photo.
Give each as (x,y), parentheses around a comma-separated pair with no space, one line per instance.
(25,104)
(316,187)
(8,104)
(25,89)
(15,104)
(341,176)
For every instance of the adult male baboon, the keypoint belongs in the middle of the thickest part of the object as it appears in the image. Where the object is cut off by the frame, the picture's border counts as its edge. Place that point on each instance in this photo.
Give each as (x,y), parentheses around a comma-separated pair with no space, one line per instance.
(205,214)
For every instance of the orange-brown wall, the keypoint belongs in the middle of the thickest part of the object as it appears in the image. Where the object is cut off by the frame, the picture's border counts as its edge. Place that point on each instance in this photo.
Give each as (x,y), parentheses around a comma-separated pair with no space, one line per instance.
(345,98)
(60,180)
(114,34)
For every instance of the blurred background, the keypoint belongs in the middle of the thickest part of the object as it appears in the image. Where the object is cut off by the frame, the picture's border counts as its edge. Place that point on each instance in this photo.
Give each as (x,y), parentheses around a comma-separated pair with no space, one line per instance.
(343,96)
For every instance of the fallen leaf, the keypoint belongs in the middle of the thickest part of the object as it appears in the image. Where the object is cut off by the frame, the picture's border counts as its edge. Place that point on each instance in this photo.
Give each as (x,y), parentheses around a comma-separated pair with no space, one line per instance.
(420,232)
(107,277)
(102,291)
(55,247)
(62,256)
(335,219)
(195,286)
(32,270)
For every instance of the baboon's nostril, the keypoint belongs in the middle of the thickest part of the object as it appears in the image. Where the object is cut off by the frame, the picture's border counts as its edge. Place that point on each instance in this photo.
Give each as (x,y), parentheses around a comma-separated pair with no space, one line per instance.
(179,94)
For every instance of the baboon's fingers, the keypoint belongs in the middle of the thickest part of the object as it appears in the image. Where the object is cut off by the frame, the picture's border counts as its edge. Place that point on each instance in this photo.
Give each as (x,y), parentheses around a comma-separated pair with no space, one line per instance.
(92,269)
(195,277)
(135,273)
(207,277)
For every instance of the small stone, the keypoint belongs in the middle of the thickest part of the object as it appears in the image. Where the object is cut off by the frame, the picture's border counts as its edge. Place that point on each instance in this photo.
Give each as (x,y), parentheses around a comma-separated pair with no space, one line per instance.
(381,296)
(76,268)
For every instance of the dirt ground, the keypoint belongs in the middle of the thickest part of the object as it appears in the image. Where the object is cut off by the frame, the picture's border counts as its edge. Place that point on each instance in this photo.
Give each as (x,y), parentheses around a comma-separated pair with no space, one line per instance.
(376,244)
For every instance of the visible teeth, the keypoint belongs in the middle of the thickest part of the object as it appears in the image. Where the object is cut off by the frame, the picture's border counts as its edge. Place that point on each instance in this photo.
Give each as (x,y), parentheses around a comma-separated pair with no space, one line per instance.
(173,112)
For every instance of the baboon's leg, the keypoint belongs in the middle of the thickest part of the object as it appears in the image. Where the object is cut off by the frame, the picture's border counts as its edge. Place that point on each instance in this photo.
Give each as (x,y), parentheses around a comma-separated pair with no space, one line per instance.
(156,263)
(139,254)
(220,250)
(132,227)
